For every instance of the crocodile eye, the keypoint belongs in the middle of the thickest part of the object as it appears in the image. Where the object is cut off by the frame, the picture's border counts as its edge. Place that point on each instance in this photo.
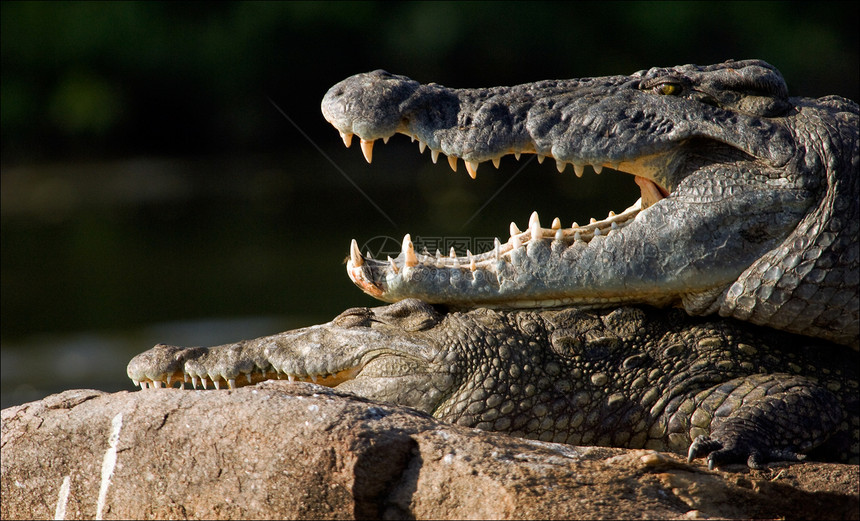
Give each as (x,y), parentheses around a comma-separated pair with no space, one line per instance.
(354,317)
(668,89)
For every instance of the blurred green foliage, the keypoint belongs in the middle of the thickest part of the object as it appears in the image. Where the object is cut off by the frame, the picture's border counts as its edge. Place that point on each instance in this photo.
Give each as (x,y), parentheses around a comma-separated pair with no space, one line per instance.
(96,79)
(146,177)
(92,238)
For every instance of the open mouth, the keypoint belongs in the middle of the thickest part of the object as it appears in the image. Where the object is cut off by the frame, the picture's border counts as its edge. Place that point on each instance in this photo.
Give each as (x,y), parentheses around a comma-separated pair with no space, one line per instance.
(642,169)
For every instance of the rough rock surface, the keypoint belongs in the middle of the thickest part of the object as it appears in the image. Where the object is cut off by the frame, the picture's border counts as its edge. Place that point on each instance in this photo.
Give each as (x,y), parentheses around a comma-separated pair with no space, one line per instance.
(281,450)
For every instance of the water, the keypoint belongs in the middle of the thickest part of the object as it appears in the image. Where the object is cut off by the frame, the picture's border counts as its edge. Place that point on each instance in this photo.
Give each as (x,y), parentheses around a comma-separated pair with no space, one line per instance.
(101,261)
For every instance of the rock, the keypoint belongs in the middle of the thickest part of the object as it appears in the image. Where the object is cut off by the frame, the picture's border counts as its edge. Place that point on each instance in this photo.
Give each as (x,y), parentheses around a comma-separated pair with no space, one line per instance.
(282,450)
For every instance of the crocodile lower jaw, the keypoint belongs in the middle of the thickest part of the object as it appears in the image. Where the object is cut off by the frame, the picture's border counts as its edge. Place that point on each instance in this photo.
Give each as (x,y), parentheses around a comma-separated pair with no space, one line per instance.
(409,258)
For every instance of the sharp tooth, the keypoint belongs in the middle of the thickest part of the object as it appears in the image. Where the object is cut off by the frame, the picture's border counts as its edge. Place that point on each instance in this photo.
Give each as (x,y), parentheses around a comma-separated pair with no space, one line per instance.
(517,156)
(472,265)
(592,220)
(421,146)
(385,140)
(578,169)
(156,384)
(412,138)
(135,382)
(367,150)
(410,260)
(540,159)
(347,138)
(392,264)
(560,165)
(314,378)
(597,169)
(611,213)
(184,377)
(577,236)
(515,230)
(614,225)
(472,168)
(182,385)
(556,223)
(249,378)
(534,219)
(574,225)
(368,255)
(434,155)
(497,248)
(597,232)
(535,229)
(291,378)
(515,242)
(452,162)
(217,382)
(231,383)
(559,235)
(452,254)
(194,382)
(169,379)
(496,162)
(355,254)
(203,381)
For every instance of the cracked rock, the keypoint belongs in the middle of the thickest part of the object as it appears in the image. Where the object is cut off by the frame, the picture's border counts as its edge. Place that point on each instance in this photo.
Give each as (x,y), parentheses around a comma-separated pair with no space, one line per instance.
(298,450)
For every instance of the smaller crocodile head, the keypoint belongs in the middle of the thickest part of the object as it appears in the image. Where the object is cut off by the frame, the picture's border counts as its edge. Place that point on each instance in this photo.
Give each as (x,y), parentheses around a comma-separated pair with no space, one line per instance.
(388,353)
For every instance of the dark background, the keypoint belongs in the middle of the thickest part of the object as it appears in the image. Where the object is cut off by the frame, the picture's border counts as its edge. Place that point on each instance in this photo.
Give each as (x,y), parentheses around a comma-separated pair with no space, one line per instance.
(151,192)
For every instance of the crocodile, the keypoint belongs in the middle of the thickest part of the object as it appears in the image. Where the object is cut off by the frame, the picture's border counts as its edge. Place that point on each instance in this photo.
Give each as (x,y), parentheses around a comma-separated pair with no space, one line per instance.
(627,377)
(749,205)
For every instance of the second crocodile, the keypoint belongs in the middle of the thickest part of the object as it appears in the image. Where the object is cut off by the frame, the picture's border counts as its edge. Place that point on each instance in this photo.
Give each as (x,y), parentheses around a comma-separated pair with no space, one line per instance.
(749,203)
(626,377)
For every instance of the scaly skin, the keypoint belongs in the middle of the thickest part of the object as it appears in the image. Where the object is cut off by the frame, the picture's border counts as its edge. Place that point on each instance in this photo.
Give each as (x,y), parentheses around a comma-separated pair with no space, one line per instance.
(749,202)
(626,377)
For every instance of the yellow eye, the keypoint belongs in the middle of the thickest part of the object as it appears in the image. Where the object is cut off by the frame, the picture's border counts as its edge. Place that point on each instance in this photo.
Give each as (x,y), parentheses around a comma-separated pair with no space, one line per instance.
(669,89)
